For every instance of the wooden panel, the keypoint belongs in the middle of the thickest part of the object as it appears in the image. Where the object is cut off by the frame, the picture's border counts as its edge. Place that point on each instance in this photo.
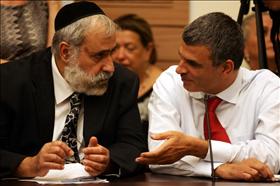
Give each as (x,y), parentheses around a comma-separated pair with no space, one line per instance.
(164,12)
(167,42)
(165,64)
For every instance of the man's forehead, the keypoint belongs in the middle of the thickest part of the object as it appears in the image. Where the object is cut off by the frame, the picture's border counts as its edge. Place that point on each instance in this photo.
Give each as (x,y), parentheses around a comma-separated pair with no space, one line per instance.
(99,45)
(194,52)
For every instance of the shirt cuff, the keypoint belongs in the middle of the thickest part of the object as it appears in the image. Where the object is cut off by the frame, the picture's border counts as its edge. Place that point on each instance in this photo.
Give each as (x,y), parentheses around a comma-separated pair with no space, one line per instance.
(204,168)
(222,152)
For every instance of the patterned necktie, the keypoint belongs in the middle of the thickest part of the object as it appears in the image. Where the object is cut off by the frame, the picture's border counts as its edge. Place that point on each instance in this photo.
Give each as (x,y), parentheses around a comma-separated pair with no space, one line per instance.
(217,130)
(69,133)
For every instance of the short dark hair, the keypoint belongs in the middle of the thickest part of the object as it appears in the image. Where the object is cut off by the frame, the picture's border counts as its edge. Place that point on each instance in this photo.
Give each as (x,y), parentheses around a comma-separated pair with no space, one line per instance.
(141,27)
(220,34)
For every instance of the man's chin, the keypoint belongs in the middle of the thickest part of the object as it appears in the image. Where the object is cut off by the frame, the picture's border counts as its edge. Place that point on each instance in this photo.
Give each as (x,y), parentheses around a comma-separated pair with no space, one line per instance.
(91,89)
(96,91)
(191,88)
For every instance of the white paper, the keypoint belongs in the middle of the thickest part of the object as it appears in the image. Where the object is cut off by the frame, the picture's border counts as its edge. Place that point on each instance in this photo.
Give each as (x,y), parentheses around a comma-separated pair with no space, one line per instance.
(276,177)
(72,173)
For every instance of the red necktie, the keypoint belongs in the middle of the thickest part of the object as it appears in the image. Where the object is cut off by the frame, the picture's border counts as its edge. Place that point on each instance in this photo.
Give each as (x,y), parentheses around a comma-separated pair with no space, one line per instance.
(217,130)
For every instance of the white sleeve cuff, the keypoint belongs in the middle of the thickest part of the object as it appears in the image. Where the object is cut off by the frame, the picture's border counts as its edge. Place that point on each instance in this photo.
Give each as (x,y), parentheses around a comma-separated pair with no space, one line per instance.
(222,152)
(203,168)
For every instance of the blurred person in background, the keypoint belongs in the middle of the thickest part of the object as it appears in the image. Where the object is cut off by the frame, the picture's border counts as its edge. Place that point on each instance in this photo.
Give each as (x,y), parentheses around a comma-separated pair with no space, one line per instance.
(136,50)
(251,42)
(274,12)
(26,27)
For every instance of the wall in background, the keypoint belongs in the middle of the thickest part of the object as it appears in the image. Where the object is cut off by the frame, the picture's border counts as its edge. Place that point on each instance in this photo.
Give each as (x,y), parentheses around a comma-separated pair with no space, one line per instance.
(198,8)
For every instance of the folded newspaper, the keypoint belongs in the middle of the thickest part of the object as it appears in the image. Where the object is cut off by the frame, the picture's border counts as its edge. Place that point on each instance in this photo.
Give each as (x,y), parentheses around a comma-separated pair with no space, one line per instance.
(73,173)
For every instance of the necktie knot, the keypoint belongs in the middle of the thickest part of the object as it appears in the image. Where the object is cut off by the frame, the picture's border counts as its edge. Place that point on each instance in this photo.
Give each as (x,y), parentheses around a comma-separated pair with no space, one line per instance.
(213,103)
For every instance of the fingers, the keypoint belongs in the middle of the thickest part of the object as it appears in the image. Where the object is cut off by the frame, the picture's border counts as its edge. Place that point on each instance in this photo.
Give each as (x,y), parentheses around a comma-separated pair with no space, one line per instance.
(172,149)
(54,158)
(165,154)
(155,153)
(94,168)
(60,148)
(153,160)
(249,170)
(231,171)
(155,156)
(95,150)
(96,157)
(262,169)
(245,176)
(93,142)
(144,161)
(51,156)
(250,174)
(46,166)
(161,136)
(96,163)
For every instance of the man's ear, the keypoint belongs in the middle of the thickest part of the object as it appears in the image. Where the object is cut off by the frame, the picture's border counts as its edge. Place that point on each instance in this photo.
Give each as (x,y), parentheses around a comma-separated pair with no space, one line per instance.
(64,51)
(228,66)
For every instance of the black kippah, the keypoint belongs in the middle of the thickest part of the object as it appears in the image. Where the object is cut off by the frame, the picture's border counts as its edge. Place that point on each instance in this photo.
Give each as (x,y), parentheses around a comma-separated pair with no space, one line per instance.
(75,11)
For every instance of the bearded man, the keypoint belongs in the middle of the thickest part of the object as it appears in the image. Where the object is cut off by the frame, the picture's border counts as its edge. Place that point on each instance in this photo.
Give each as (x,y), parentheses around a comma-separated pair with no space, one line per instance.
(70,103)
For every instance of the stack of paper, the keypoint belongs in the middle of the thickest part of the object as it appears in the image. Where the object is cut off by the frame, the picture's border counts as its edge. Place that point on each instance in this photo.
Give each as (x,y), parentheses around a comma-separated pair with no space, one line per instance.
(72,173)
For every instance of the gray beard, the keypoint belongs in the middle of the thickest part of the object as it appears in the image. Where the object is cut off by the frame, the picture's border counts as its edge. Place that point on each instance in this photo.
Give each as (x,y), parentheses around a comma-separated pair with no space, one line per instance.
(80,81)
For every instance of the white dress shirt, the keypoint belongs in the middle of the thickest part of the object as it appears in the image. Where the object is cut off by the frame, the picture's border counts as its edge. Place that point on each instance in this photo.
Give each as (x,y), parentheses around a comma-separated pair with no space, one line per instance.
(249,112)
(62,93)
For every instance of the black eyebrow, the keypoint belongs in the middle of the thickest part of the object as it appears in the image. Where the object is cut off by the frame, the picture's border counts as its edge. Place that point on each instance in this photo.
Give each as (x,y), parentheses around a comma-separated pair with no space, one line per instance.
(193,63)
(190,61)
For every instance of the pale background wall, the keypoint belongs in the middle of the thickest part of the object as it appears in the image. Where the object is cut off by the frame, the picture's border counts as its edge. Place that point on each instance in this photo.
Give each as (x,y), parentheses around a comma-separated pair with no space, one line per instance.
(198,8)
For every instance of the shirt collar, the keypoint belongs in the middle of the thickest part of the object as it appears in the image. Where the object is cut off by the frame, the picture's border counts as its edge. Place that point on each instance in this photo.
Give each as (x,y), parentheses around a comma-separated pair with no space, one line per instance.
(231,93)
(62,90)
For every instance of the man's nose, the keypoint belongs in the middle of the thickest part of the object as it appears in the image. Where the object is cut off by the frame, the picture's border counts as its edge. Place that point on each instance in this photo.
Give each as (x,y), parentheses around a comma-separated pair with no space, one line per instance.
(181,69)
(108,64)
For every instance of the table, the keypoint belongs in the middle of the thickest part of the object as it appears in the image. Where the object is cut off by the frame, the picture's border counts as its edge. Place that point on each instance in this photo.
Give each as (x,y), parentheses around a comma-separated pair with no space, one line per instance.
(150,179)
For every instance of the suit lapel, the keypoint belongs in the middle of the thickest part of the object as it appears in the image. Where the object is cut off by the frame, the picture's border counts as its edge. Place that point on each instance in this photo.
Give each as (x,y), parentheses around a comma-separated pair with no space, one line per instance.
(95,110)
(44,96)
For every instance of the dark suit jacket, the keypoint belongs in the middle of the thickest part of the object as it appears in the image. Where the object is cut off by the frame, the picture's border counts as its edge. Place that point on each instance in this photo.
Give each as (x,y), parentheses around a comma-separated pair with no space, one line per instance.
(27,114)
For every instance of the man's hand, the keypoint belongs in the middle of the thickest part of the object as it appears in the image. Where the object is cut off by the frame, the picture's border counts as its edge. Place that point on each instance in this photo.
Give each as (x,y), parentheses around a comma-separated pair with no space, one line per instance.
(2,61)
(96,157)
(248,170)
(51,156)
(176,146)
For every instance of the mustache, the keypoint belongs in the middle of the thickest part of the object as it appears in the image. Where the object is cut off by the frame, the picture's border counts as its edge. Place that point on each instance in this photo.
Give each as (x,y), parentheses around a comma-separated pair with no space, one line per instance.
(102,76)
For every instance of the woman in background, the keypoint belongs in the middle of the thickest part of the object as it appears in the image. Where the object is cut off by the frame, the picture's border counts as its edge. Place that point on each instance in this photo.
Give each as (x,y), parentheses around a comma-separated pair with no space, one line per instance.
(136,50)
(26,27)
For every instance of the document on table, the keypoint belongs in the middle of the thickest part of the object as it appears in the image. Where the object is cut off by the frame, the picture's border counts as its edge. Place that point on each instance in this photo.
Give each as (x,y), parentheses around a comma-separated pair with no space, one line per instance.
(277,177)
(73,173)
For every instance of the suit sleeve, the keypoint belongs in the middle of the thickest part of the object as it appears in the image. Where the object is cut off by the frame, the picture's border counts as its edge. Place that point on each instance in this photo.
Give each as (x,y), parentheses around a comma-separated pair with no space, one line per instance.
(9,160)
(130,137)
